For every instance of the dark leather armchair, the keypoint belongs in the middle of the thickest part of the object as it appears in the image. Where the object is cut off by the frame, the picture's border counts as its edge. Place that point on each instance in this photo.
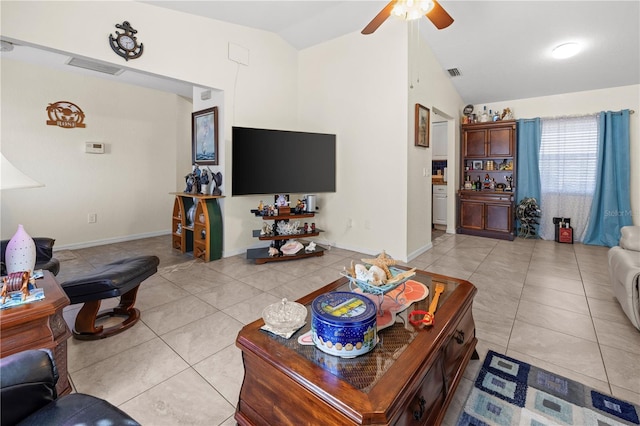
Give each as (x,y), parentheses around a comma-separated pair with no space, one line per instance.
(28,396)
(44,255)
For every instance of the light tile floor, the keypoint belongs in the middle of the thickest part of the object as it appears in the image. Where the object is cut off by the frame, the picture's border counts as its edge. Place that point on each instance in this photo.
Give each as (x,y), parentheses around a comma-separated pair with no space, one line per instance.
(544,303)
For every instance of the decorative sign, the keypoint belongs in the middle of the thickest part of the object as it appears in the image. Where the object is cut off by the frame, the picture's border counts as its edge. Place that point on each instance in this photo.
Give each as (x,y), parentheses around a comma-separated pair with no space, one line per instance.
(65,114)
(125,44)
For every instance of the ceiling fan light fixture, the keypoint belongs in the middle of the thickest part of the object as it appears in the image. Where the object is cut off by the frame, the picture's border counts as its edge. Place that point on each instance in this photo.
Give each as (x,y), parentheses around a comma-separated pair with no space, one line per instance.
(565,50)
(411,9)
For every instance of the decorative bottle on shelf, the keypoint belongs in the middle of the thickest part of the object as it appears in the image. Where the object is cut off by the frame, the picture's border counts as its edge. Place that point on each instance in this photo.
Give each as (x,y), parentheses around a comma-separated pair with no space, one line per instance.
(484,117)
(467,183)
(478,184)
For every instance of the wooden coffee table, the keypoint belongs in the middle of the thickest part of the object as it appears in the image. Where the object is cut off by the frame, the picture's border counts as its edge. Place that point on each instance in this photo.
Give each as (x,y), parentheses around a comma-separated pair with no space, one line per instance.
(409,377)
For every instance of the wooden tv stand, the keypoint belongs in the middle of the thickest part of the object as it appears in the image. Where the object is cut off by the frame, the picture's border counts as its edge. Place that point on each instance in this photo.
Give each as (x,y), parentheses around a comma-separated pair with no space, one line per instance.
(261,255)
(409,378)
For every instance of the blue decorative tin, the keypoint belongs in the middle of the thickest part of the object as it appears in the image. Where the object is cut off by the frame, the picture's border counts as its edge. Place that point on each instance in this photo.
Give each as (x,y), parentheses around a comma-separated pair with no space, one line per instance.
(344,323)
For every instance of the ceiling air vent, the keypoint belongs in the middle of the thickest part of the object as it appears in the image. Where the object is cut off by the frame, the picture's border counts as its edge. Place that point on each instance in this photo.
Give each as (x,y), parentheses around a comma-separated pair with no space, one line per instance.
(95,66)
(454,72)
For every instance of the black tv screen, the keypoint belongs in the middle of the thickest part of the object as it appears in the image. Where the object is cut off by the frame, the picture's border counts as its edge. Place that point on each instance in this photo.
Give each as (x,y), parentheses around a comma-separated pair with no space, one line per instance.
(282,162)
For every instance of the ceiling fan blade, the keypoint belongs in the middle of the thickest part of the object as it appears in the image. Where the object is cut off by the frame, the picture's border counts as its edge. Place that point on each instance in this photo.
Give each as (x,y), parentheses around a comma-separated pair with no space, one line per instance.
(380,18)
(440,18)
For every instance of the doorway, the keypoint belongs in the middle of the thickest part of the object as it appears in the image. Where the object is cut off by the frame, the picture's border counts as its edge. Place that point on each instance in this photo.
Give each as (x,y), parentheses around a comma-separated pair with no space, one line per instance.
(442,174)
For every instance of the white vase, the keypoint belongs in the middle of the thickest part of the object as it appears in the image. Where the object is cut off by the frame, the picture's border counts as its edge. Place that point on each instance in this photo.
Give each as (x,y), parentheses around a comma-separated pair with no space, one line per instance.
(21,252)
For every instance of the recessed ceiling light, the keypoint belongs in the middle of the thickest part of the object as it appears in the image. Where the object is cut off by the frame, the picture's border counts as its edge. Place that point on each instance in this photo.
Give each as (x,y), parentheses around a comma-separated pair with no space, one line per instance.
(565,50)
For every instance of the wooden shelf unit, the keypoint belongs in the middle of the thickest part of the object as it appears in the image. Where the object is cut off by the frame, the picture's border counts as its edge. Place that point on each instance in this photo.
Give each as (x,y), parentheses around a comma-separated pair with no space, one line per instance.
(204,236)
(261,255)
(485,212)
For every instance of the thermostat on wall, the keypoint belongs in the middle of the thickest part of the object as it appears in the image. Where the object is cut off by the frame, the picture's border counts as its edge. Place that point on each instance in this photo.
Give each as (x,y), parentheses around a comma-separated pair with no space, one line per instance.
(94,147)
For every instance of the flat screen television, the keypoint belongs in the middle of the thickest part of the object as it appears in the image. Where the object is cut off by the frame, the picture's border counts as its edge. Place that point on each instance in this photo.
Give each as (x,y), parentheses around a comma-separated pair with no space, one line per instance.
(282,162)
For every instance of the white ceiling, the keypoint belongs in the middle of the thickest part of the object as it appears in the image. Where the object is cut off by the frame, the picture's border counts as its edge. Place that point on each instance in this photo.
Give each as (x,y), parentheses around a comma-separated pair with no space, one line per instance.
(501,48)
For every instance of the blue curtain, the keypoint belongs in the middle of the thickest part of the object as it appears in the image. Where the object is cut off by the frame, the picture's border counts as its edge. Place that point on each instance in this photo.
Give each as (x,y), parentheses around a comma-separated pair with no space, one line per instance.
(528,146)
(611,208)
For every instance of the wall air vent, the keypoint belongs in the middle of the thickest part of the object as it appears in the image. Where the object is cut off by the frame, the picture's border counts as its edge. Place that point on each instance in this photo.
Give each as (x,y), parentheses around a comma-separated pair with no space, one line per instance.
(454,72)
(95,66)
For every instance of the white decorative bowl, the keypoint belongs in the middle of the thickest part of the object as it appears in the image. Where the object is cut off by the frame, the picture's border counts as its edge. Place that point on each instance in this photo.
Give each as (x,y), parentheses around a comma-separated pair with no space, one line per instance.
(284,316)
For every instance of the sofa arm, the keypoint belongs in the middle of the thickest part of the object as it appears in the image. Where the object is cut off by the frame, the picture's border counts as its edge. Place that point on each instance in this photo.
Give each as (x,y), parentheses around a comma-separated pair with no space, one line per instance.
(630,238)
(27,383)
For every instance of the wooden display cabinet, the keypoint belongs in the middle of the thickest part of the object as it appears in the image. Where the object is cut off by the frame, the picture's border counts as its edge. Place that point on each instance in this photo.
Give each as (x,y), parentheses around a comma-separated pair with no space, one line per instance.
(203,237)
(486,215)
(488,212)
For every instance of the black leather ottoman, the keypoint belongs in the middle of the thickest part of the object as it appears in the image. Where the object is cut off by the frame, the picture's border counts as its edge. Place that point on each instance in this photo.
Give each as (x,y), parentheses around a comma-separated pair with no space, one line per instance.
(120,278)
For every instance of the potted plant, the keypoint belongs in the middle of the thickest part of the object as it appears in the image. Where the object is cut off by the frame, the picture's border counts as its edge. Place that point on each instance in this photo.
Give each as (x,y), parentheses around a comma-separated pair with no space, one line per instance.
(528,213)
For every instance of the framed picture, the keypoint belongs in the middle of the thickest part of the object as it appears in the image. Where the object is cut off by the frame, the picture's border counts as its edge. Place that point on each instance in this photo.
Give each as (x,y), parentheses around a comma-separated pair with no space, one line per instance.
(422,126)
(281,200)
(477,165)
(204,136)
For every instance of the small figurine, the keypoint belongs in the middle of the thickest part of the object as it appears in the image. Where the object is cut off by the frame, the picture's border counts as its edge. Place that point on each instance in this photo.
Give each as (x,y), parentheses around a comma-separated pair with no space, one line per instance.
(273,252)
(487,182)
(189,181)
(205,178)
(217,179)
(311,247)
(509,180)
(266,229)
(14,282)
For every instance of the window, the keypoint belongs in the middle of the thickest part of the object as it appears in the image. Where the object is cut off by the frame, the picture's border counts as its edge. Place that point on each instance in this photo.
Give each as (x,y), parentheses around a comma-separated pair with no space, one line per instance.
(568,154)
(568,157)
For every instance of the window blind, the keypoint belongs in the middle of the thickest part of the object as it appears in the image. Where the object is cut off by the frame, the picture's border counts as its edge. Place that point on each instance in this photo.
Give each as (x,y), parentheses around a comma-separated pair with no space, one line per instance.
(568,155)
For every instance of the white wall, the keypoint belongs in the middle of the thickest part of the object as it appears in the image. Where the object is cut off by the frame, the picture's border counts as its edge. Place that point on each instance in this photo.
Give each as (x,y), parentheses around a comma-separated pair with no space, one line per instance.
(127,187)
(262,94)
(356,87)
(430,86)
(360,88)
(592,101)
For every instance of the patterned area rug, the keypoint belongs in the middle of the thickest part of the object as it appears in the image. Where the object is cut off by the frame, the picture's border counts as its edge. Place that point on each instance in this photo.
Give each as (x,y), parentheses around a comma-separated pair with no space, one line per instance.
(512,392)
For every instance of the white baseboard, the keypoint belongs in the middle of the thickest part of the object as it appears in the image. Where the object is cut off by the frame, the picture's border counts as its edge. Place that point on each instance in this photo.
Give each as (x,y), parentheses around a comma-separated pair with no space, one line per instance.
(110,240)
(418,252)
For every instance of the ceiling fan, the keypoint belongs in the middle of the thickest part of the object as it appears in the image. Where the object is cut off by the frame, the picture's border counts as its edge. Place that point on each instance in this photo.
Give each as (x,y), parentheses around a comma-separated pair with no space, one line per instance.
(411,9)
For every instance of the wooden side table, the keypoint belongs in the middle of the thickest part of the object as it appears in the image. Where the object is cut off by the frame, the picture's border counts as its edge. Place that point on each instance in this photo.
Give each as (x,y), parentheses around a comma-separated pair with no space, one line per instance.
(39,325)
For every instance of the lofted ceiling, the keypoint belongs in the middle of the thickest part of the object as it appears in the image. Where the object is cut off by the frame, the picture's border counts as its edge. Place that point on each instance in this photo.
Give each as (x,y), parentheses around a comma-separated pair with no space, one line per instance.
(501,48)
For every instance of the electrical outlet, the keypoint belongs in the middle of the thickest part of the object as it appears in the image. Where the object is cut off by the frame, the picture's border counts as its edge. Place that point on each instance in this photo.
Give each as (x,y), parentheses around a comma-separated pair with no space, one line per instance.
(92,218)
(367,224)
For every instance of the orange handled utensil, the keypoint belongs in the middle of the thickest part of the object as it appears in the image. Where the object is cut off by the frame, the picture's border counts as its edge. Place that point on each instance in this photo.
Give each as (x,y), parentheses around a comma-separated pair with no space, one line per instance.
(428,317)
